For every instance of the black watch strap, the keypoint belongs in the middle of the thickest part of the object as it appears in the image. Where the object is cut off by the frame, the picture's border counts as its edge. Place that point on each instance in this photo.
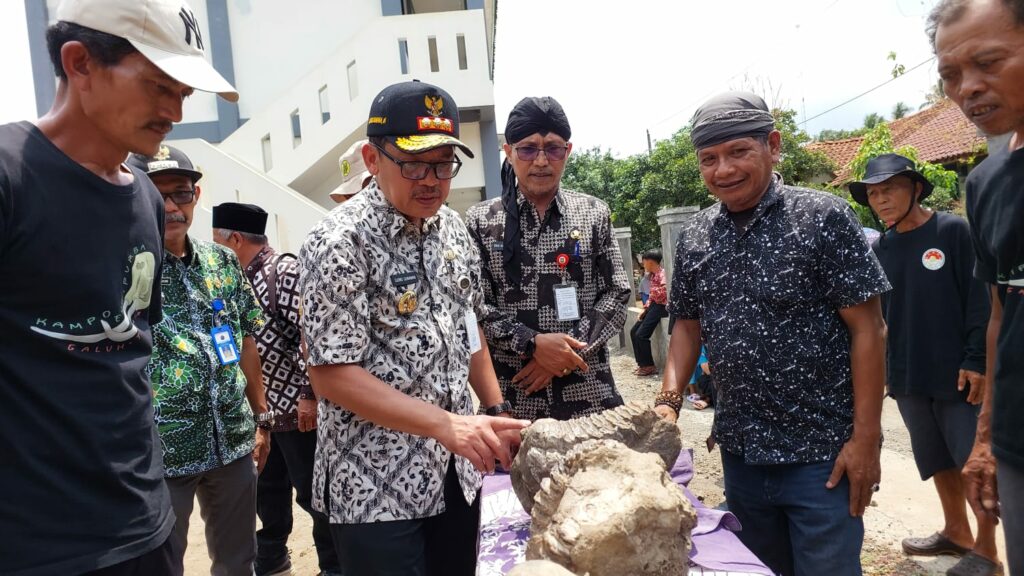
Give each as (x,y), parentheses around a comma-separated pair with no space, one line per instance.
(505,406)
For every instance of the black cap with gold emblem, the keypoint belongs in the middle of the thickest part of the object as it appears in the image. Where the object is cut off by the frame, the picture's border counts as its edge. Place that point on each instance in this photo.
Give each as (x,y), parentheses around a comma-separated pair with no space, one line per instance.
(168,160)
(416,117)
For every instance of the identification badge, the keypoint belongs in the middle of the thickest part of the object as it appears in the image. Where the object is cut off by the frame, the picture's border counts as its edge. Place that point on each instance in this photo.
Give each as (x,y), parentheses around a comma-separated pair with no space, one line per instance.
(566,304)
(473,333)
(224,344)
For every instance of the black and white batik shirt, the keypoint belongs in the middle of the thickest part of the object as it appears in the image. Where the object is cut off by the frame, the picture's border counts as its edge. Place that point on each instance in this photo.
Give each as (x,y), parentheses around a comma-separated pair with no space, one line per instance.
(357,263)
(768,301)
(575,226)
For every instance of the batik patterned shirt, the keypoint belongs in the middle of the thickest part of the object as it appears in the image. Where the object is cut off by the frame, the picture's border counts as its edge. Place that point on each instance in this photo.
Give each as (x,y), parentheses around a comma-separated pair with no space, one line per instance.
(515,313)
(768,301)
(659,292)
(201,409)
(275,280)
(357,264)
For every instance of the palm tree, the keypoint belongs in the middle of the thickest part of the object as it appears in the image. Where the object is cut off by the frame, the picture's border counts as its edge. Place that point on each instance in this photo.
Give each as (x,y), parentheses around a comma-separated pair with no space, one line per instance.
(900,110)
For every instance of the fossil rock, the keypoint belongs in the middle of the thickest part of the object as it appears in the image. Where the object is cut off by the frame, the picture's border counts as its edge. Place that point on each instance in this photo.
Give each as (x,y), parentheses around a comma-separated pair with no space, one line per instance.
(608,510)
(539,568)
(546,442)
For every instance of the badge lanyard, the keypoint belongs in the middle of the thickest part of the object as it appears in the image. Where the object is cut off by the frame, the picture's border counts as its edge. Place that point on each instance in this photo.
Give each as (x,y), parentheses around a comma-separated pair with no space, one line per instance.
(566,304)
(223,337)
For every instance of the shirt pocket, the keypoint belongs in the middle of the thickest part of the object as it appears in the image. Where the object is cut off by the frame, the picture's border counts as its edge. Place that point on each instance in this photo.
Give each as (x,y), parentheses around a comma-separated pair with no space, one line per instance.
(786,282)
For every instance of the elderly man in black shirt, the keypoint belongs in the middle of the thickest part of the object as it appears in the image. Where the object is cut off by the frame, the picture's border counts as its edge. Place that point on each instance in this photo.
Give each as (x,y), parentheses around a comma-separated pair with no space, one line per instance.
(780,284)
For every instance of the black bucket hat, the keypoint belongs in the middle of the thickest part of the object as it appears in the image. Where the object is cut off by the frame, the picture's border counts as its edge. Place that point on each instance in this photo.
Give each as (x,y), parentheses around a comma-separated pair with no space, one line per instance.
(881,168)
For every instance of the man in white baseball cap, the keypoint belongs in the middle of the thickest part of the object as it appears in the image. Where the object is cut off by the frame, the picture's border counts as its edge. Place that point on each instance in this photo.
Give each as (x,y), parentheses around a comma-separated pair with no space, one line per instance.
(354,174)
(81,236)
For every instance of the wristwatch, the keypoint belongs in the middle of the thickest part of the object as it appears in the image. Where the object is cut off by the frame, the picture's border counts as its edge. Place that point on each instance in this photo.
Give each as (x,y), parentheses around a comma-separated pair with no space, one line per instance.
(265,420)
(502,408)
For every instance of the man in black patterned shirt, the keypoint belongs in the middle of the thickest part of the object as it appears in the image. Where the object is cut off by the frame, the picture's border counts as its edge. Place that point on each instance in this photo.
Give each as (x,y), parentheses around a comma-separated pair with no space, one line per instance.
(781,287)
(554,287)
(275,280)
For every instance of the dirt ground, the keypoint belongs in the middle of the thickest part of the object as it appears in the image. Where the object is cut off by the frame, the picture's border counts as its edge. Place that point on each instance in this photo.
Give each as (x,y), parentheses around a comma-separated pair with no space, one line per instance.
(904,506)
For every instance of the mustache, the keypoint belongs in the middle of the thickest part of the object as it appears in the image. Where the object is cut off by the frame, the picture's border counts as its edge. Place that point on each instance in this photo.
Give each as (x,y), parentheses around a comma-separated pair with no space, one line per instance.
(426,191)
(172,218)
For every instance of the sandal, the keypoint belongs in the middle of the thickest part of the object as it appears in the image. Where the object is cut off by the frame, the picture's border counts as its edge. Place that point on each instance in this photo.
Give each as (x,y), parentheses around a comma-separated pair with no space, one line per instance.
(647,371)
(935,545)
(975,565)
(699,405)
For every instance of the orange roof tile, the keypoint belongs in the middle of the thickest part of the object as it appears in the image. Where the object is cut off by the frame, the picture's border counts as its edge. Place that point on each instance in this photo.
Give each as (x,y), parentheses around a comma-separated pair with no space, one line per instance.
(940,134)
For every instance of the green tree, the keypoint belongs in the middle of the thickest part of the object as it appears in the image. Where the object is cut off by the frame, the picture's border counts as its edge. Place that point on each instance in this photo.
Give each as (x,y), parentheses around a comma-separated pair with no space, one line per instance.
(873,119)
(934,95)
(900,110)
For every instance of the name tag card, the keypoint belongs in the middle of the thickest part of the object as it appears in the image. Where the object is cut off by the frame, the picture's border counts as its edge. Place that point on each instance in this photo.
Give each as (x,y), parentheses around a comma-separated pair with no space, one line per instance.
(224,344)
(473,333)
(566,303)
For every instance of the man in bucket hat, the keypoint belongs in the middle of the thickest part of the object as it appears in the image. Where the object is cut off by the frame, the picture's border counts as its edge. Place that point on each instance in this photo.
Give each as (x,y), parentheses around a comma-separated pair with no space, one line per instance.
(80,239)
(936,314)
(391,296)
(354,175)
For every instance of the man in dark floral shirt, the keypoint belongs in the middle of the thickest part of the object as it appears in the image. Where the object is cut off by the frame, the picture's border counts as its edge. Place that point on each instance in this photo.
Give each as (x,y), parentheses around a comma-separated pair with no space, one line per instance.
(780,284)
(554,287)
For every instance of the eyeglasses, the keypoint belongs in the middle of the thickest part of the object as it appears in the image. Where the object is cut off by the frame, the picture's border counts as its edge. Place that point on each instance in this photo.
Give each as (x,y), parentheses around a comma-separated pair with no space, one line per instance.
(415,170)
(180,197)
(551,151)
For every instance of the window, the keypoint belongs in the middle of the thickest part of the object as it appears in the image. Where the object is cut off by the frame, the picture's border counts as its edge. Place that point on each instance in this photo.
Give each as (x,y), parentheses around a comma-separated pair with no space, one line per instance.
(432,48)
(325,105)
(296,128)
(268,160)
(460,42)
(403,55)
(353,81)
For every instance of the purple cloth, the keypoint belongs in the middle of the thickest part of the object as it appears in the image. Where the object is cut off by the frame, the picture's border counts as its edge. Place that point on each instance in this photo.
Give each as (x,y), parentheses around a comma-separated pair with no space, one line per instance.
(505,528)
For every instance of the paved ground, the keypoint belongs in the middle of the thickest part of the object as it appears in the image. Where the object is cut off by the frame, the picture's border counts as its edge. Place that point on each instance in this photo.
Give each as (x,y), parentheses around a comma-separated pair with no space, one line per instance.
(905,506)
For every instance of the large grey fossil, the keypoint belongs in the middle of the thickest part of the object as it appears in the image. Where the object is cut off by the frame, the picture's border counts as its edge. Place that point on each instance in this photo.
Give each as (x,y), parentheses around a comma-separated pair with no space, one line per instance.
(607,510)
(547,442)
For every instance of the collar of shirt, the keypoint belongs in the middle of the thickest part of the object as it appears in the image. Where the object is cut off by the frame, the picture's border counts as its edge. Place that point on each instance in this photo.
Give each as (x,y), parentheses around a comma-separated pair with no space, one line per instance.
(558,206)
(394,221)
(188,260)
(770,198)
(258,260)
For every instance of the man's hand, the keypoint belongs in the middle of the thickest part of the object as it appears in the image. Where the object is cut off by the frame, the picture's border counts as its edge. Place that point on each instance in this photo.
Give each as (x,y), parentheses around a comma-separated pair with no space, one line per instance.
(481,439)
(307,414)
(641,315)
(977,382)
(979,473)
(533,377)
(556,353)
(860,461)
(666,412)
(262,449)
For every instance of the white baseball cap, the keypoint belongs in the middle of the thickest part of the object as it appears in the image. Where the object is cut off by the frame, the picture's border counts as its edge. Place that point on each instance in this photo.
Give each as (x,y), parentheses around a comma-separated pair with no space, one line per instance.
(164,31)
(353,170)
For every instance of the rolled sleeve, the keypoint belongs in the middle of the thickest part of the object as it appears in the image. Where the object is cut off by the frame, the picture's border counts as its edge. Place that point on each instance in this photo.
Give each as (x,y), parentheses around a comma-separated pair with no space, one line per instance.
(336,315)
(848,269)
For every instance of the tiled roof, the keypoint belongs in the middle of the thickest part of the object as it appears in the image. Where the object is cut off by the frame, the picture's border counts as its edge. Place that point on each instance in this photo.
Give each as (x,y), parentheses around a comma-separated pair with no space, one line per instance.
(941,134)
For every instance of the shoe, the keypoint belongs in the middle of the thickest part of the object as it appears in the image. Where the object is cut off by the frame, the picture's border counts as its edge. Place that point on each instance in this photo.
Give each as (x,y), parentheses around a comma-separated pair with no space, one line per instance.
(647,371)
(281,567)
(935,545)
(975,565)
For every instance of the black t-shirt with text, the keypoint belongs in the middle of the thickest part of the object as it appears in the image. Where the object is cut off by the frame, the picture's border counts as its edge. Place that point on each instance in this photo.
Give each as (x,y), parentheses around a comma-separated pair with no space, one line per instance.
(995,208)
(81,485)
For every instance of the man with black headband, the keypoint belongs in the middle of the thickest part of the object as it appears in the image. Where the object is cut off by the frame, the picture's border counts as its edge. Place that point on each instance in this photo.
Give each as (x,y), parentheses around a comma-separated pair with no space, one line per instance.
(274,278)
(555,290)
(781,287)
(936,316)
(391,297)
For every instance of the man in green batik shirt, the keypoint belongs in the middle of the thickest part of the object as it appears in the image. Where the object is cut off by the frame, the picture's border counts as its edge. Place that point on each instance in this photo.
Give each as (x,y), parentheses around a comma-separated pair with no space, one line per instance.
(207,379)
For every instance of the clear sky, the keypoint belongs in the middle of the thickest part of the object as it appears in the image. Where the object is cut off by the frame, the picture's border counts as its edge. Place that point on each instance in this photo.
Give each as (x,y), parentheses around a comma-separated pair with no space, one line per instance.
(621,68)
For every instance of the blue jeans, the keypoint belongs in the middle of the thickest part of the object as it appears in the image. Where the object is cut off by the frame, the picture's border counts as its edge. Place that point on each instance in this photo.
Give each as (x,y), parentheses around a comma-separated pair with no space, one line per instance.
(795,525)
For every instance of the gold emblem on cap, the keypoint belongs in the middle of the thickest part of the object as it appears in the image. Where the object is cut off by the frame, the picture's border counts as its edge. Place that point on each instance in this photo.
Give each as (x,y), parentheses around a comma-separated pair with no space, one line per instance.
(575,234)
(345,167)
(163,153)
(407,302)
(434,104)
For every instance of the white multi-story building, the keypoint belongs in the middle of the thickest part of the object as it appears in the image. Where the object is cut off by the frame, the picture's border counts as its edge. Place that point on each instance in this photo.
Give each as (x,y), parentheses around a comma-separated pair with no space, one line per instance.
(306,71)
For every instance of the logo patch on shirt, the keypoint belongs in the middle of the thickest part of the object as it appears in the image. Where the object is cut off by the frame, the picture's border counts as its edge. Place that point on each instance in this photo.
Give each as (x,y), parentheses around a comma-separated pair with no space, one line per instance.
(933,259)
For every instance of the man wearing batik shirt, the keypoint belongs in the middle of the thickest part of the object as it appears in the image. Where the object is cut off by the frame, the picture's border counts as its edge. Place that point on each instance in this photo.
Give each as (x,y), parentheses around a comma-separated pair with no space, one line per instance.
(391,292)
(780,285)
(275,280)
(650,317)
(205,370)
(554,287)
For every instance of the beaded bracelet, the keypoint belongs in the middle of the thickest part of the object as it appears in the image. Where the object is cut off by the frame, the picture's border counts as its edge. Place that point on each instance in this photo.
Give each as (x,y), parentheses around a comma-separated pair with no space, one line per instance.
(673,400)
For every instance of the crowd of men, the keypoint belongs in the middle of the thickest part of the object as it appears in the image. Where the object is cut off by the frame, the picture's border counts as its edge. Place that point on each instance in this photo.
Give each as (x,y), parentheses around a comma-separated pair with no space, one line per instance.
(158,369)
